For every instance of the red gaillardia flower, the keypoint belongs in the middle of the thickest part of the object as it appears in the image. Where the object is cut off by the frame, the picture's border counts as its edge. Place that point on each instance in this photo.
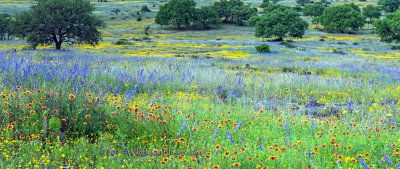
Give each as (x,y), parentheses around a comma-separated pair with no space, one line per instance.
(71,97)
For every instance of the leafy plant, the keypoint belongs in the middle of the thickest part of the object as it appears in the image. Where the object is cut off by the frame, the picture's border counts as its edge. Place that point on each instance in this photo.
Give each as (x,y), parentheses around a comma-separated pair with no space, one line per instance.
(263,48)
(54,123)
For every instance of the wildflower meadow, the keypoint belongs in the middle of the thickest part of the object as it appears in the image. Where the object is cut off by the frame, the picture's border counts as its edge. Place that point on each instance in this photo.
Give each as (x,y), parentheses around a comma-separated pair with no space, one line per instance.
(152,96)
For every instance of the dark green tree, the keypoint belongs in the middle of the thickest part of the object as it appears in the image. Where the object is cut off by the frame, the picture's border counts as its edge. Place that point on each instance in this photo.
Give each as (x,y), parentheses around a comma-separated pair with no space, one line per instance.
(264,3)
(354,6)
(206,16)
(116,11)
(372,12)
(389,28)
(389,5)
(273,7)
(242,14)
(268,9)
(6,27)
(253,20)
(234,11)
(280,24)
(58,21)
(224,9)
(342,18)
(275,1)
(303,2)
(145,9)
(177,12)
(314,11)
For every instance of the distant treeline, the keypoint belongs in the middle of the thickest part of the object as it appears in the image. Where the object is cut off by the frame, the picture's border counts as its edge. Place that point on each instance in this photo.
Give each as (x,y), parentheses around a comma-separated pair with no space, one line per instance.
(58,21)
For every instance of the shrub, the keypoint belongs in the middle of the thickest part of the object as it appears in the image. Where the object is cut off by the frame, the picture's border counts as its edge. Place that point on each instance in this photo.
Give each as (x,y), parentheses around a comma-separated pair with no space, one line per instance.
(54,123)
(145,9)
(263,48)
(395,47)
(287,44)
(291,69)
(123,42)
(116,11)
(338,51)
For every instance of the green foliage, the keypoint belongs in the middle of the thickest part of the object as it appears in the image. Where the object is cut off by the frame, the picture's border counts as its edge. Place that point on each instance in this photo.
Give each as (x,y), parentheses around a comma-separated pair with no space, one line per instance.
(388,28)
(342,18)
(116,11)
(298,8)
(389,5)
(279,24)
(6,27)
(263,48)
(395,47)
(206,16)
(303,2)
(273,7)
(338,51)
(145,9)
(123,42)
(55,21)
(54,123)
(287,44)
(177,12)
(354,6)
(253,20)
(275,1)
(234,11)
(372,12)
(264,3)
(242,14)
(315,11)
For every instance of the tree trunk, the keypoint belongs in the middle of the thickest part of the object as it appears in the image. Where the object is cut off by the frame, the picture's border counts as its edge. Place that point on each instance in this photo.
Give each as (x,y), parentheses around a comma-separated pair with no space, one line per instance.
(58,45)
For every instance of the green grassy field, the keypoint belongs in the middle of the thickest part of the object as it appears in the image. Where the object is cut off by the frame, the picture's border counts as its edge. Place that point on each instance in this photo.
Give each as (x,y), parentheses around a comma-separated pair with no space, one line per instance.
(199,98)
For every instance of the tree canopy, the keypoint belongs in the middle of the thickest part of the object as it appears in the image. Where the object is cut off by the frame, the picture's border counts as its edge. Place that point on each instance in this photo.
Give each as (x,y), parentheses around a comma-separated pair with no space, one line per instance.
(342,18)
(264,3)
(389,28)
(389,5)
(372,12)
(6,27)
(280,24)
(177,12)
(234,11)
(303,2)
(206,16)
(58,21)
(315,11)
